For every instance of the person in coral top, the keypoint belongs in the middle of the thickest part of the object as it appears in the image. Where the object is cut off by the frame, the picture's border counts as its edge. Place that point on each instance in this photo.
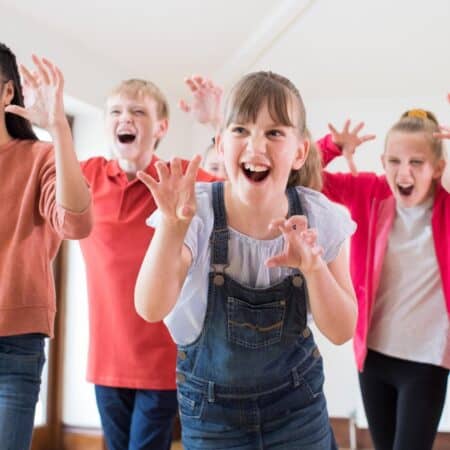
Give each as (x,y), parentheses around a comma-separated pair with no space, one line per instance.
(131,362)
(44,199)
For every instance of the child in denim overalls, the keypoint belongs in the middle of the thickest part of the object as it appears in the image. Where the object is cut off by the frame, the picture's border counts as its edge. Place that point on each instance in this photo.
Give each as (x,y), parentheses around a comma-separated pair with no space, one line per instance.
(237,268)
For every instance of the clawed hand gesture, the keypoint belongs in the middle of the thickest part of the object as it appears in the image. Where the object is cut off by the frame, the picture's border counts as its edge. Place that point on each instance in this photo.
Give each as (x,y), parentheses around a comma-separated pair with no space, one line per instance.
(349,140)
(174,192)
(206,102)
(43,94)
(301,250)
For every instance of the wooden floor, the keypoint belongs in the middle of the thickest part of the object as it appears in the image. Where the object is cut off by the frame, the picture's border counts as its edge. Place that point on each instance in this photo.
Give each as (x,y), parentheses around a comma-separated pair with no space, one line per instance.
(177,446)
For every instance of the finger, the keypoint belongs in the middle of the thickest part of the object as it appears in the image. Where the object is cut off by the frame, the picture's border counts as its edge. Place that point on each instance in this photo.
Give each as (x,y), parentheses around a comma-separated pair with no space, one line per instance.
(442,135)
(367,137)
(59,79)
(277,224)
(358,128)
(297,223)
(28,77)
(175,167)
(192,168)
(346,126)
(18,111)
(50,70)
(184,106)
(199,80)
(42,70)
(332,129)
(191,84)
(162,170)
(276,261)
(147,179)
(310,236)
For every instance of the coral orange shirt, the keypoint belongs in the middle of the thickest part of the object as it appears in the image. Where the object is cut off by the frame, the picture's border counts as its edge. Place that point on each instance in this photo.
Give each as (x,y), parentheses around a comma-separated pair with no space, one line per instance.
(124,350)
(31,230)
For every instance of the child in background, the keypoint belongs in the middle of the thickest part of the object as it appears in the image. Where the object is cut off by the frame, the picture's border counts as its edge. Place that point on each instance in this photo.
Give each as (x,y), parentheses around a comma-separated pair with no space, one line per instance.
(44,199)
(400,259)
(213,163)
(131,362)
(231,269)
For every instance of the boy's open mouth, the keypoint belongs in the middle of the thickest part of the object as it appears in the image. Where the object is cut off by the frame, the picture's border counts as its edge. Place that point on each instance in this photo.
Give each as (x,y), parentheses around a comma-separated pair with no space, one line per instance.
(405,189)
(255,172)
(126,138)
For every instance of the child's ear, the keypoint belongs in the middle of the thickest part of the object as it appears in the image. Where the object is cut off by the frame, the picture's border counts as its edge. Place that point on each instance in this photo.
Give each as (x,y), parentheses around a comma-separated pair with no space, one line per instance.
(7,93)
(163,126)
(302,154)
(439,169)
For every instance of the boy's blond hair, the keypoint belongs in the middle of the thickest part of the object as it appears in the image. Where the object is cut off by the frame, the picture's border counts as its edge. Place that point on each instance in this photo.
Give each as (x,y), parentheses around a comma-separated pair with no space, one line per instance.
(136,86)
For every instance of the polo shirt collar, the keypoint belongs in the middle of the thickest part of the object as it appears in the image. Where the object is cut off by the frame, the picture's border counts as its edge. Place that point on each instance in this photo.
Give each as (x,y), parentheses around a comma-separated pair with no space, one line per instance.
(114,170)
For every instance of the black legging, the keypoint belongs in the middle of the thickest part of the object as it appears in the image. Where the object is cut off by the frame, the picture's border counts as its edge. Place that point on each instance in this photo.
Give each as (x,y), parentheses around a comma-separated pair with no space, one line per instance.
(403,401)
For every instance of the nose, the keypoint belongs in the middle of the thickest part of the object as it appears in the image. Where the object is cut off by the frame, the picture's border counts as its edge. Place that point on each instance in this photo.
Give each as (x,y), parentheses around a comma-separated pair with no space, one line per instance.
(404,169)
(256,144)
(125,117)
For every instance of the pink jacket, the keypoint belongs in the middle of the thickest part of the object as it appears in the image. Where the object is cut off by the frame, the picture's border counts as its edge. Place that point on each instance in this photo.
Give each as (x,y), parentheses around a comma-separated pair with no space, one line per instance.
(372,206)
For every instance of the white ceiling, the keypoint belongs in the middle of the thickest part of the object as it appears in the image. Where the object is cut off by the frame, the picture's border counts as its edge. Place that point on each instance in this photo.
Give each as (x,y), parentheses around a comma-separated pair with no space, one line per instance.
(328,47)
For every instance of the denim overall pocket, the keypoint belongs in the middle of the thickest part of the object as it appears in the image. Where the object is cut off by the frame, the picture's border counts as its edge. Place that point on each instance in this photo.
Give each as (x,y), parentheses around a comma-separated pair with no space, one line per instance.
(255,326)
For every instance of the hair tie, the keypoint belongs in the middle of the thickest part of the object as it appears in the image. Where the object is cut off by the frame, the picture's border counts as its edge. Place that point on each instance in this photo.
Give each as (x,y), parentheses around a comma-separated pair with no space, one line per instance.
(419,113)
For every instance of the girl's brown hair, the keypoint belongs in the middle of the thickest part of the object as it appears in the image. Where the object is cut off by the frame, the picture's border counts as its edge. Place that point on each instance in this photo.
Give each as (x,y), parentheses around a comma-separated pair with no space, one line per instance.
(282,97)
(420,121)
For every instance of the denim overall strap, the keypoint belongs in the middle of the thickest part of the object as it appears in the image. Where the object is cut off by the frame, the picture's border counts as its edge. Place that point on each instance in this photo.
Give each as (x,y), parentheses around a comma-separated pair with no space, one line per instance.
(220,235)
(295,205)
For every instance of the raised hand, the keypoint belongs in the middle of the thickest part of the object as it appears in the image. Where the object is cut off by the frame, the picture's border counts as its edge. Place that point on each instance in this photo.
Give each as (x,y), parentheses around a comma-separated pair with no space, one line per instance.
(301,250)
(349,140)
(174,193)
(43,94)
(206,102)
(444,133)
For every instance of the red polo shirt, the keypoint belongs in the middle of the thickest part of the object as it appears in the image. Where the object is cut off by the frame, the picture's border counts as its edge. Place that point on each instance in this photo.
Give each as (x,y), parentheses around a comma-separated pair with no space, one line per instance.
(124,350)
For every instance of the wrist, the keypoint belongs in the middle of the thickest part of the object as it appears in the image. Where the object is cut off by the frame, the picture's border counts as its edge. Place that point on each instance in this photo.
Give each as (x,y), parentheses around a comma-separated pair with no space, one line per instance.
(316,268)
(58,127)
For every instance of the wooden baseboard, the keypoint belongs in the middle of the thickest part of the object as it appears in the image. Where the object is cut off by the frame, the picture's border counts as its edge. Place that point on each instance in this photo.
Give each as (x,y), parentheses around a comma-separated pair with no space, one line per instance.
(82,438)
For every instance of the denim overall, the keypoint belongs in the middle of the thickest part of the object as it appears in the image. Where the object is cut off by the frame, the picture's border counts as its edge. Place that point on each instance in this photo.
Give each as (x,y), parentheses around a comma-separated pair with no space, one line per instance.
(253,378)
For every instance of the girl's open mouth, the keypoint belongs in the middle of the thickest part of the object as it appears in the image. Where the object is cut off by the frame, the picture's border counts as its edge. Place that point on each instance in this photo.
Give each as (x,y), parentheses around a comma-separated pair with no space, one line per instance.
(255,172)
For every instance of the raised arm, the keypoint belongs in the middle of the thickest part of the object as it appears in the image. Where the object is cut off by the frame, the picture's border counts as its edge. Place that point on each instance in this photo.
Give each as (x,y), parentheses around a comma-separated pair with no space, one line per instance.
(167,260)
(44,106)
(331,294)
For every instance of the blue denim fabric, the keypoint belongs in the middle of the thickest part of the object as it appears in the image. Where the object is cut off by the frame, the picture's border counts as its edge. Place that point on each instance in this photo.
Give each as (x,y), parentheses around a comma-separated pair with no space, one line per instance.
(21,361)
(136,419)
(254,377)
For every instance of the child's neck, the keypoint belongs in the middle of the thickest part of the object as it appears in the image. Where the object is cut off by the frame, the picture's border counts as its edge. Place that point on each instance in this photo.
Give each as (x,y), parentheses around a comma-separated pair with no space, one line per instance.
(4,135)
(254,219)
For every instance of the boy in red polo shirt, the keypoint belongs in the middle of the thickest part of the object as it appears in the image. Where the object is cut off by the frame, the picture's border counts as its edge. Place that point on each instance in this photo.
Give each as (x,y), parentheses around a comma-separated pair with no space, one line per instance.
(131,362)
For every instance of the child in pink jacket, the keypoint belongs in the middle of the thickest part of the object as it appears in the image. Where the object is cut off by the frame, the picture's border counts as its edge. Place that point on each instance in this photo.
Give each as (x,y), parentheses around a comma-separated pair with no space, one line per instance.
(400,259)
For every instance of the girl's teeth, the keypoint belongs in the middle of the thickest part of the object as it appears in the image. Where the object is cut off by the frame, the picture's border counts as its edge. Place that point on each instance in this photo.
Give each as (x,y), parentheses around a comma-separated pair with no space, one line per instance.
(254,168)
